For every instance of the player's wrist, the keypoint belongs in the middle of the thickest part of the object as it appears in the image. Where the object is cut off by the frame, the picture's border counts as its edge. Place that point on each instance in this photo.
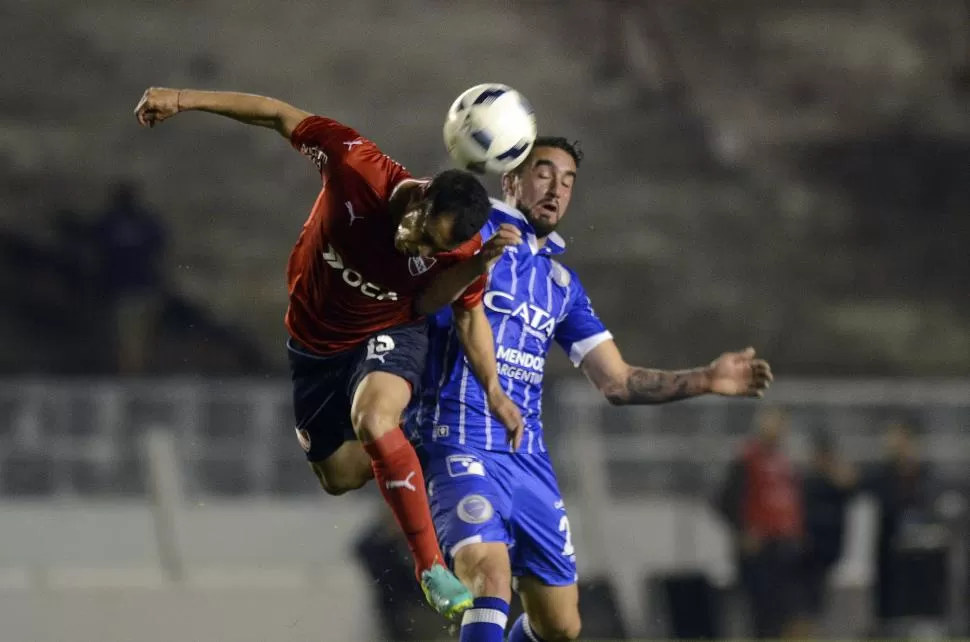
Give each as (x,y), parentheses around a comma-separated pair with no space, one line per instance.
(493,390)
(706,377)
(185,99)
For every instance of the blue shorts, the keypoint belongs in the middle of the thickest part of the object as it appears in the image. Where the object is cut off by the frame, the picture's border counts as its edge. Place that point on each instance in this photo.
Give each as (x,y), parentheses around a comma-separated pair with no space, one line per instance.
(514,499)
(324,386)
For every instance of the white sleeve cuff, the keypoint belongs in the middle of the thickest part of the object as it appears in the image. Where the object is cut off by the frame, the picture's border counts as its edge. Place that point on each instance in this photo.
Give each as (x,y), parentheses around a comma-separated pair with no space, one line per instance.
(581,348)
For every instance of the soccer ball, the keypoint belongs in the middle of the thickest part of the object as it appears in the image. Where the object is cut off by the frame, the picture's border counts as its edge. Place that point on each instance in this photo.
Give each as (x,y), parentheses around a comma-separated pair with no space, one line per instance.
(490,128)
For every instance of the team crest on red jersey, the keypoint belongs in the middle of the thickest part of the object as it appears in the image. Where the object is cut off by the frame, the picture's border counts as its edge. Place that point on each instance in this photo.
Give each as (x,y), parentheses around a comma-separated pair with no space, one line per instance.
(304,438)
(418,265)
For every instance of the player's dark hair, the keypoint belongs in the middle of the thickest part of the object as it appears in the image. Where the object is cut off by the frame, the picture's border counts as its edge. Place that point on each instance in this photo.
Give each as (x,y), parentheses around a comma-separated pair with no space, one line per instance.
(558,142)
(458,193)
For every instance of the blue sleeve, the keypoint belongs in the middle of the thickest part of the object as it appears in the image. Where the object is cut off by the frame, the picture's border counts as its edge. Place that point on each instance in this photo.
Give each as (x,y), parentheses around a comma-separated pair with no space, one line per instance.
(580,330)
(443,318)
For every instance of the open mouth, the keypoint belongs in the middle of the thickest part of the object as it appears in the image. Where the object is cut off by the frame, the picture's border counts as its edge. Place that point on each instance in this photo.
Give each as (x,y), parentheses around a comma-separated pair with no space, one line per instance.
(548,207)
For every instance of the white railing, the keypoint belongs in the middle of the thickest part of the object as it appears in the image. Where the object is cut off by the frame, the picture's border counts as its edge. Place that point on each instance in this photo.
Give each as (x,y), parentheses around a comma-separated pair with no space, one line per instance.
(636,479)
(234,437)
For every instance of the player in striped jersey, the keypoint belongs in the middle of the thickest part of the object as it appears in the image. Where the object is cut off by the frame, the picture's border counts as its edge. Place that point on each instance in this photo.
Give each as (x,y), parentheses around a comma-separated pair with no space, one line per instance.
(487,495)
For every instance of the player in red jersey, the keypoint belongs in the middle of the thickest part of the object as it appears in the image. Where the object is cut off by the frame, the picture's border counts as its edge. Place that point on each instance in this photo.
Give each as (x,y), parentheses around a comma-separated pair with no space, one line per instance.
(378,250)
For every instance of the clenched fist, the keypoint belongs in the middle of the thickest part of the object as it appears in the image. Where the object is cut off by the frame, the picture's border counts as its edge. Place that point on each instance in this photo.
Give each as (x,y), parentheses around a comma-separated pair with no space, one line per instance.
(739,374)
(157,104)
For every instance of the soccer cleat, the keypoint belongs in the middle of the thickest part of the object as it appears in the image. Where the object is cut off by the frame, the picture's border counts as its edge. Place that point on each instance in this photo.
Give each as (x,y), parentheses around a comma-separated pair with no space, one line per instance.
(445,592)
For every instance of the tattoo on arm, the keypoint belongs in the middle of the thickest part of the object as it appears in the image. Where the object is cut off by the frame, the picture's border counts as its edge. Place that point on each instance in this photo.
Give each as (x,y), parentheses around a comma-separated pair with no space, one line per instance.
(646,386)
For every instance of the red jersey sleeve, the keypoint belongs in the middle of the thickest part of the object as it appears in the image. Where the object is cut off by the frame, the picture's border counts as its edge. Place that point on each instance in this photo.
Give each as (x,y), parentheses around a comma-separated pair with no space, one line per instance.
(335,148)
(473,294)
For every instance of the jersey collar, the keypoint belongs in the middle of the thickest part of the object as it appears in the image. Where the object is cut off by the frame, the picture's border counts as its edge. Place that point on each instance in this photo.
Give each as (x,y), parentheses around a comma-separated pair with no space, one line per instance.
(555,244)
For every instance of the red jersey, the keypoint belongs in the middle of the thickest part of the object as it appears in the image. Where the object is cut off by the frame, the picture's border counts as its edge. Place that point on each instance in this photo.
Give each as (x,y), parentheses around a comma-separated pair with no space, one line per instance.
(772,505)
(346,279)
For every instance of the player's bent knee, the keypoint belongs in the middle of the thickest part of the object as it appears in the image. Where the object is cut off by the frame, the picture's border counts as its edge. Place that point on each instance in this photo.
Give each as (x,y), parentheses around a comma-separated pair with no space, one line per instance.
(485,569)
(378,405)
(372,425)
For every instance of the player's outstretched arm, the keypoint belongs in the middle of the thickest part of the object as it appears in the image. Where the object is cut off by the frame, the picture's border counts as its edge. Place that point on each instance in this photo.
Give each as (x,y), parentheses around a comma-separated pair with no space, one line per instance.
(733,374)
(475,334)
(161,103)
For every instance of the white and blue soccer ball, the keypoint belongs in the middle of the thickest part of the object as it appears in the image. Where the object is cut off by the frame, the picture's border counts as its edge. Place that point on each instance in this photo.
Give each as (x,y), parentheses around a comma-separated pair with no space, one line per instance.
(490,128)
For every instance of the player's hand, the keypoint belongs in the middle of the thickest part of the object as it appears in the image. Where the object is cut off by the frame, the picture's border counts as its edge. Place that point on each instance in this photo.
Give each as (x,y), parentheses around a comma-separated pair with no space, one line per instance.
(739,374)
(507,235)
(157,104)
(508,413)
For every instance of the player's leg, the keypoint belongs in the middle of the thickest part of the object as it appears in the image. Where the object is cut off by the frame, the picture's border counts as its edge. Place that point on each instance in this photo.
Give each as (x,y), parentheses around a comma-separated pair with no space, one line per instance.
(323,427)
(485,568)
(387,371)
(551,612)
(378,404)
(347,469)
(470,507)
(544,559)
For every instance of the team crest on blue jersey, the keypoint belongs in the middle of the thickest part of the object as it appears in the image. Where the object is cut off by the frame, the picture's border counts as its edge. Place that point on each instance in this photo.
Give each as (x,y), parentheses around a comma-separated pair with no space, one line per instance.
(475,509)
(460,465)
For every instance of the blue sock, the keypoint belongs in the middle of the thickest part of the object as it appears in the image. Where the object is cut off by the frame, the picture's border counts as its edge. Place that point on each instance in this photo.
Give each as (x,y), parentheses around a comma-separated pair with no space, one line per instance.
(522,632)
(485,621)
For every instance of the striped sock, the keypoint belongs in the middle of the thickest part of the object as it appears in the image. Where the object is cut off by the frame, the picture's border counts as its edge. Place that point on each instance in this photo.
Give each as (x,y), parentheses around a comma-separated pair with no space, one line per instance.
(522,632)
(485,621)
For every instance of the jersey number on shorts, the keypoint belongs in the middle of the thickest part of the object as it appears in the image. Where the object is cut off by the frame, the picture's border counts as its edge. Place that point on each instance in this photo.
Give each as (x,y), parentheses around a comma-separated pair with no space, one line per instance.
(567,548)
(379,346)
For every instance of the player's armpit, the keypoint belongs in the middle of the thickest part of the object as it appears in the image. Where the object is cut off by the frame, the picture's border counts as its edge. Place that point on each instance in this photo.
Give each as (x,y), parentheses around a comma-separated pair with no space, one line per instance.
(289,118)
(623,384)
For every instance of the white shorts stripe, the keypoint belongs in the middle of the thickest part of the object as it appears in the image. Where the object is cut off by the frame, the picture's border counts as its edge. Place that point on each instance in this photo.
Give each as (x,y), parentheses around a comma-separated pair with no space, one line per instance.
(462,543)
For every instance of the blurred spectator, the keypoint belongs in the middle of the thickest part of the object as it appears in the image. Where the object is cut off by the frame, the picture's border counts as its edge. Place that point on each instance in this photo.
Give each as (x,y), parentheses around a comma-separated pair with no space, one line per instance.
(828,487)
(130,241)
(904,492)
(762,502)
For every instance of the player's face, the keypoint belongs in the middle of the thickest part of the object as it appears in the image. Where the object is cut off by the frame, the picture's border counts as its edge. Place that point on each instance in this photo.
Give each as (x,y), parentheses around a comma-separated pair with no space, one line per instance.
(543,188)
(420,234)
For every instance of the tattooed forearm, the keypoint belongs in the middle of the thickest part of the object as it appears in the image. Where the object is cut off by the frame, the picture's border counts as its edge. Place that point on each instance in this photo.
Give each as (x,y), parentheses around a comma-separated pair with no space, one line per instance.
(646,386)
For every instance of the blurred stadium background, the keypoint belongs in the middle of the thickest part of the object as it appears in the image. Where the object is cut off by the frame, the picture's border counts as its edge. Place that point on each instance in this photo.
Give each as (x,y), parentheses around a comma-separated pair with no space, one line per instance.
(792,175)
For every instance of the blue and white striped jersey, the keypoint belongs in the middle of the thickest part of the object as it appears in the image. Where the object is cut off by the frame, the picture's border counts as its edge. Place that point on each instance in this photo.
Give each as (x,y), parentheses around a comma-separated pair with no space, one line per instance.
(530,299)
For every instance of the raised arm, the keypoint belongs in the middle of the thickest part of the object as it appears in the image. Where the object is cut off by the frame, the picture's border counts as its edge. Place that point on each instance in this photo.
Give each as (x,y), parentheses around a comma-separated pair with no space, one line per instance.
(451,283)
(475,334)
(160,103)
(732,374)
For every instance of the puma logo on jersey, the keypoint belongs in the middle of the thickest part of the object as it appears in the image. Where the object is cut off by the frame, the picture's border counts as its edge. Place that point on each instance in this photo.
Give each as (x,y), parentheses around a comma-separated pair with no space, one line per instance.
(350,210)
(402,483)
(355,279)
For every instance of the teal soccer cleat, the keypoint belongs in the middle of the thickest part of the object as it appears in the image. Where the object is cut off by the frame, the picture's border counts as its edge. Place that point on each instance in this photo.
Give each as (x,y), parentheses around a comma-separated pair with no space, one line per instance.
(445,592)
